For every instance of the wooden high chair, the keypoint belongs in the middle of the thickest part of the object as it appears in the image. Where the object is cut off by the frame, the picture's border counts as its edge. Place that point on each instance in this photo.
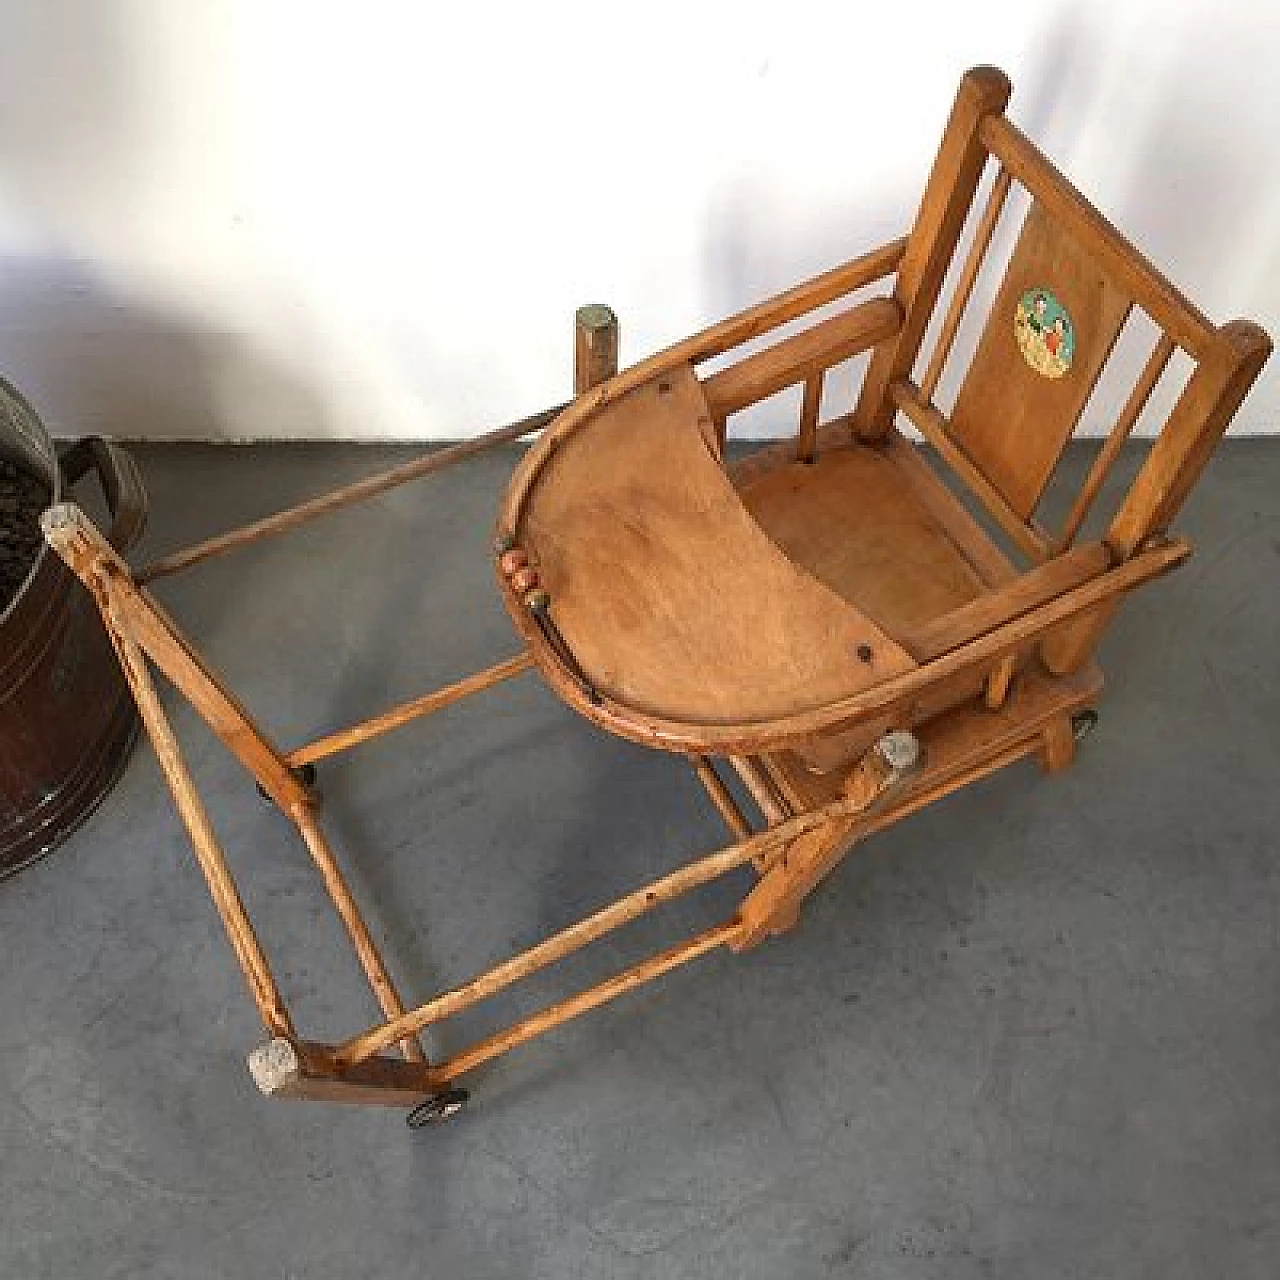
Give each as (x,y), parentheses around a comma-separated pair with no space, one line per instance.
(848,634)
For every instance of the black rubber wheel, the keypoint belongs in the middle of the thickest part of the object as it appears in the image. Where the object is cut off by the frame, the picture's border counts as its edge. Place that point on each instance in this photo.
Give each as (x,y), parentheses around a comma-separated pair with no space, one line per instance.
(437,1109)
(1083,723)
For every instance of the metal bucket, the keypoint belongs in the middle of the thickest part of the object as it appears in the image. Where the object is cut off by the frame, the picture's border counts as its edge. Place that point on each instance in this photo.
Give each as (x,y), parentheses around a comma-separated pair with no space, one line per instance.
(67,720)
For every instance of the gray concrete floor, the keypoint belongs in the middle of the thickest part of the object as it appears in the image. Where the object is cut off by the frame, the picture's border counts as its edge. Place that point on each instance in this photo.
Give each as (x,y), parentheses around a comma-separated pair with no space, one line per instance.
(1032,1032)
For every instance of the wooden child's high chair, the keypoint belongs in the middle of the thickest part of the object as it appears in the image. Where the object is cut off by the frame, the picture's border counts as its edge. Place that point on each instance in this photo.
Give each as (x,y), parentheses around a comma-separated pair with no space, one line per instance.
(827,619)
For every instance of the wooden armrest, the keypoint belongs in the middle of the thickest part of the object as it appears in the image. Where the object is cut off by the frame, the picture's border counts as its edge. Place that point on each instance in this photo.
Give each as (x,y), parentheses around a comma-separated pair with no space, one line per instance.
(1026,592)
(799,357)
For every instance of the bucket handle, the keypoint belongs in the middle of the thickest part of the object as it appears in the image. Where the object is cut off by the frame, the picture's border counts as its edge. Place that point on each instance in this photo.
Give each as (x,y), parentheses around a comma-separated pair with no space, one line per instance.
(121,485)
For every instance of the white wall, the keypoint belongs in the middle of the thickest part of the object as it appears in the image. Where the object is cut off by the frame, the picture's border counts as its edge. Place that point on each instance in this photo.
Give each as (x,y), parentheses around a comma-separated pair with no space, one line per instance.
(277,218)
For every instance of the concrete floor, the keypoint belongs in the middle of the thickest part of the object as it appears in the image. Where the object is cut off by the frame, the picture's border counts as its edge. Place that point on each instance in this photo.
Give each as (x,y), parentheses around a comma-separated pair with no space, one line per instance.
(1033,1032)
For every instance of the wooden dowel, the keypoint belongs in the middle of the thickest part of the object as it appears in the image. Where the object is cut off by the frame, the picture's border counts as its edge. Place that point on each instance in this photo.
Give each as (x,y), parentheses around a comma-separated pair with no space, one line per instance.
(646,971)
(810,408)
(222,887)
(932,424)
(578,935)
(395,717)
(714,786)
(761,789)
(1152,371)
(964,285)
(595,346)
(384,989)
(1175,313)
(347,496)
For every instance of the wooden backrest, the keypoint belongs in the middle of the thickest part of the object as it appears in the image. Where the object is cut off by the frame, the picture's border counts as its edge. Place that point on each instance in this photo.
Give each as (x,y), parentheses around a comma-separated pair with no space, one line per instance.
(1070,286)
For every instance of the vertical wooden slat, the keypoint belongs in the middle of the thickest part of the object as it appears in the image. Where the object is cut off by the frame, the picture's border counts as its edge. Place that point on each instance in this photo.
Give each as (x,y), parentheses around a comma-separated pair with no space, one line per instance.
(714,786)
(1156,364)
(1204,410)
(810,405)
(983,92)
(964,285)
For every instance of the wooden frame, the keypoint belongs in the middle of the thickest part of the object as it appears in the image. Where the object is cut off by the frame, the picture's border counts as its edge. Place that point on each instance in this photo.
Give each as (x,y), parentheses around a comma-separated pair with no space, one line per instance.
(936,686)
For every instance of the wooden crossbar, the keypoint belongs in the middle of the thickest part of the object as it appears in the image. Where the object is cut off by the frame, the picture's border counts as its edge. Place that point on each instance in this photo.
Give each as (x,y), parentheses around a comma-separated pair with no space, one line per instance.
(406,712)
(1172,310)
(1151,373)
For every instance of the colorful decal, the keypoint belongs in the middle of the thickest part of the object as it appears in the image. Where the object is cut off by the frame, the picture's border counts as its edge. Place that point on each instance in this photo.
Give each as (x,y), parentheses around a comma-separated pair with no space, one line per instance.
(1044,332)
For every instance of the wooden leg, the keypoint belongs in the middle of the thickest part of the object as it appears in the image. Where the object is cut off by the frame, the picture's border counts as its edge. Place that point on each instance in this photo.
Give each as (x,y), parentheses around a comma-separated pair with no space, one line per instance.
(335,882)
(222,887)
(998,682)
(774,904)
(1057,744)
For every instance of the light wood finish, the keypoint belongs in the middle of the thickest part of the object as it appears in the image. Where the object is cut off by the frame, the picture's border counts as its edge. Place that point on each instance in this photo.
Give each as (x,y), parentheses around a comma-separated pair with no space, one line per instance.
(761,789)
(347,496)
(1203,412)
(297,1072)
(1057,745)
(958,745)
(854,522)
(384,989)
(636,976)
(88,554)
(636,598)
(948,195)
(725,805)
(213,864)
(626,909)
(966,534)
(802,356)
(1029,537)
(773,906)
(958,748)
(1155,366)
(999,682)
(1176,314)
(883,698)
(714,341)
(595,346)
(810,408)
(1037,587)
(1011,421)
(964,285)
(723,614)
(406,712)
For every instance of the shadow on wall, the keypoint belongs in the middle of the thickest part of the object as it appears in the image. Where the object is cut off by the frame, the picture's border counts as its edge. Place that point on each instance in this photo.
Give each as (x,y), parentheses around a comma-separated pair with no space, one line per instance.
(74,121)
(94,365)
(1162,148)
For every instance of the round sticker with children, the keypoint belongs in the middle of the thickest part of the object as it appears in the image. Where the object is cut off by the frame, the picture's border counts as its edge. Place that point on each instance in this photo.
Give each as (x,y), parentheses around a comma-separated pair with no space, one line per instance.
(1045,336)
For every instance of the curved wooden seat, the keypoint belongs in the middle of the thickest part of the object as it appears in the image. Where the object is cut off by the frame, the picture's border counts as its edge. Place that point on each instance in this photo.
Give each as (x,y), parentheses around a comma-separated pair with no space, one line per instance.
(678,608)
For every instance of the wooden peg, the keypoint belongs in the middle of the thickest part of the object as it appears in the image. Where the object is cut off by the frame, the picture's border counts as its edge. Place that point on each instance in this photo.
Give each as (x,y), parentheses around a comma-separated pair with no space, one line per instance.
(595,347)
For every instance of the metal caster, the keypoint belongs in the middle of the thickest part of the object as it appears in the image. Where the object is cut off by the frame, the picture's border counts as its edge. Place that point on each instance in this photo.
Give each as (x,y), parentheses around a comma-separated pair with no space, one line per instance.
(305,774)
(1083,723)
(437,1109)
